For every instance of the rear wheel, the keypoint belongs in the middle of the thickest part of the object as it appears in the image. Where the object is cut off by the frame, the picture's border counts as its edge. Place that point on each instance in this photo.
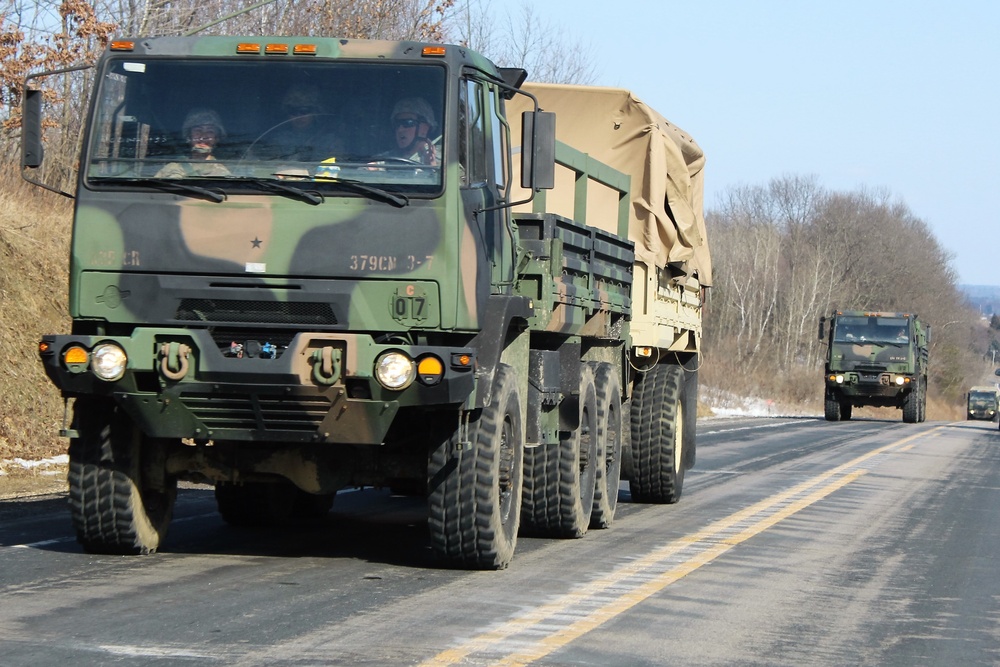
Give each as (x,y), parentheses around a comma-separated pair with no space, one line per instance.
(560,479)
(657,432)
(609,445)
(474,483)
(120,497)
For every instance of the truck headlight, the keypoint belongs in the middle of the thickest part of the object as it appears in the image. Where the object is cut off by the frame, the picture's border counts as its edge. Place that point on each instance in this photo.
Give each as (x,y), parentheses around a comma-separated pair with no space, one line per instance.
(395,370)
(108,362)
(840,379)
(900,380)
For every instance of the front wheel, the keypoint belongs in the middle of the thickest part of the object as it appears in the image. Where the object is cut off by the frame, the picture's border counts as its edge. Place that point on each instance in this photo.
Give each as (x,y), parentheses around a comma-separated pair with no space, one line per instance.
(120,497)
(911,406)
(831,409)
(475,480)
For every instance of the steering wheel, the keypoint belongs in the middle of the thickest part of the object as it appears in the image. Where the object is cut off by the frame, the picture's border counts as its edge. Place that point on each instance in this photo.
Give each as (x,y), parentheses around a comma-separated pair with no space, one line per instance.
(248,154)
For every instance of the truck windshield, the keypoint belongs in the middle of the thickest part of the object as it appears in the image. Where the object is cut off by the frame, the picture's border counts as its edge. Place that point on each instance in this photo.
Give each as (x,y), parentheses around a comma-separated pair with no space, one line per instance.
(324,126)
(865,329)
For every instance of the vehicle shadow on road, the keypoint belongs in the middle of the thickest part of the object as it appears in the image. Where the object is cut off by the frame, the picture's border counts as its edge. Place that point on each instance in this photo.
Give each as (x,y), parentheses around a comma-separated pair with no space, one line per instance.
(370,524)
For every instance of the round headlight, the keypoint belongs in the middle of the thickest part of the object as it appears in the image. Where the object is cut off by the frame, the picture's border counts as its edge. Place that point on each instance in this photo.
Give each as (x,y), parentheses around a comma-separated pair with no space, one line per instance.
(900,381)
(395,370)
(840,379)
(108,361)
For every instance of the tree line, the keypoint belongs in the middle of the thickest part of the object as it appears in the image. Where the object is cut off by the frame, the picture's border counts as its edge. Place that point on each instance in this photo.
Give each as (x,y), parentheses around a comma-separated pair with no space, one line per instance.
(789,252)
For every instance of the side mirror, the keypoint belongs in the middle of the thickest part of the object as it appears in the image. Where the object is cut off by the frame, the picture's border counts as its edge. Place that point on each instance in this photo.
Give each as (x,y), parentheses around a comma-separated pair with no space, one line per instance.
(538,150)
(32,150)
(822,328)
(996,372)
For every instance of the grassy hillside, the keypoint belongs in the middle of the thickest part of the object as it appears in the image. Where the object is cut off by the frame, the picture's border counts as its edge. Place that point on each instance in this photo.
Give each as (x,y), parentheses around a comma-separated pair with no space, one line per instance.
(34,246)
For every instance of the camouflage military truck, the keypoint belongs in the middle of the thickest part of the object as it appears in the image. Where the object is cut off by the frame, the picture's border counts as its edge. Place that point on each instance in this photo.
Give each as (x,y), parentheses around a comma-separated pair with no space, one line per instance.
(286,312)
(982,403)
(877,359)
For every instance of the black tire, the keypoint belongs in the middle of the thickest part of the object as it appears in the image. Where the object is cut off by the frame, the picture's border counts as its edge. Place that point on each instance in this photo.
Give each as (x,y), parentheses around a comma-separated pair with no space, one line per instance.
(911,406)
(253,504)
(690,415)
(831,409)
(474,486)
(560,479)
(923,400)
(657,434)
(610,435)
(846,409)
(120,497)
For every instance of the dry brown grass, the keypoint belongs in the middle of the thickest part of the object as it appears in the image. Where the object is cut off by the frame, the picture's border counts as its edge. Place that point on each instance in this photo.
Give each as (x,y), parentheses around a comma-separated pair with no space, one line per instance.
(800,391)
(34,251)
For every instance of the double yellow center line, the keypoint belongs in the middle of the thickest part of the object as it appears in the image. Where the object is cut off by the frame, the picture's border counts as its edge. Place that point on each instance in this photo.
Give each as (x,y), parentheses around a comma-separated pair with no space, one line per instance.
(544,629)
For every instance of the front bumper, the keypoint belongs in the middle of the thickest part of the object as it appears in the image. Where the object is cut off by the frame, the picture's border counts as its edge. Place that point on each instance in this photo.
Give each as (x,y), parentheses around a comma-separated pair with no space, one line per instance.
(318,388)
(885,384)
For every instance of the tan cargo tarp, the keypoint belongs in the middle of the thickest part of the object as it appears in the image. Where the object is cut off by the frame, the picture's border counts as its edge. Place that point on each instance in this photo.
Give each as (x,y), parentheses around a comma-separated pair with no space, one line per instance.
(611,125)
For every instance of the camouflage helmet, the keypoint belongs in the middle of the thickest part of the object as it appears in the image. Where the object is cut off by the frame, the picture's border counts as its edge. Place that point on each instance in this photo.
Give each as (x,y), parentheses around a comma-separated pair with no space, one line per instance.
(302,97)
(418,107)
(198,117)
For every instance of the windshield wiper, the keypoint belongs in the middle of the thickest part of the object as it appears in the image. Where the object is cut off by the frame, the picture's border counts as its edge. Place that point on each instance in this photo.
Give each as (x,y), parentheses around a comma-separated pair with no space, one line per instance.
(218,196)
(396,200)
(311,196)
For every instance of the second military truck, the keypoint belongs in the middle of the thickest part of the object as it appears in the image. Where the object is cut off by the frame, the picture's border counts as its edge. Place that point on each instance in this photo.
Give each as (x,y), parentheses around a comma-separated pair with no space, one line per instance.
(284,312)
(875,359)
(982,403)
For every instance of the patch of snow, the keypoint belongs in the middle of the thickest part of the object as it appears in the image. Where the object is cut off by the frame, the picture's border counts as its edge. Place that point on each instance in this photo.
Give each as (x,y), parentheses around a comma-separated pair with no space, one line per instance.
(728,404)
(62,459)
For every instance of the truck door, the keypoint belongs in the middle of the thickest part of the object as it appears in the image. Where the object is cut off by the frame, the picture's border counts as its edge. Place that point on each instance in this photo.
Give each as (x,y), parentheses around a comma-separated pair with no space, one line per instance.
(485,169)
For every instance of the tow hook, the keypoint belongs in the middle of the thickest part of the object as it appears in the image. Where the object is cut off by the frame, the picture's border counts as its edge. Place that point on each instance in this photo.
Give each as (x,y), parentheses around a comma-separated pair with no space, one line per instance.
(326,365)
(174,360)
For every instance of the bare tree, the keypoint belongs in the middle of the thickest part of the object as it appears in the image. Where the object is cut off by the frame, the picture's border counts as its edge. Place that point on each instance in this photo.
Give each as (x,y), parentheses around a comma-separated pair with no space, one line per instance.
(522,40)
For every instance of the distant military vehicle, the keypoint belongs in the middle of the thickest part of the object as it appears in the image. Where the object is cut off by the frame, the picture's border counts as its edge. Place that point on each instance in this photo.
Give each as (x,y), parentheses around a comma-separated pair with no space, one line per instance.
(982,403)
(290,322)
(875,359)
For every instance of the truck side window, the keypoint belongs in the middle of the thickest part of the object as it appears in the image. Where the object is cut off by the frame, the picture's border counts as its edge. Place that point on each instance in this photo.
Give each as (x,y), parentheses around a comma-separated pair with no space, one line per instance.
(473,132)
(498,135)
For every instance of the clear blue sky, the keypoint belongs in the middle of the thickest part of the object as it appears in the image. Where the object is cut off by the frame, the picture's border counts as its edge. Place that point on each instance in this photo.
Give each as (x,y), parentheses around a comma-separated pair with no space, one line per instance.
(897,95)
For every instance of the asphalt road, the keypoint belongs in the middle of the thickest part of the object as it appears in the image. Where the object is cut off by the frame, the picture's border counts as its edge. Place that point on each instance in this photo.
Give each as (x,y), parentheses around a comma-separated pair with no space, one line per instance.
(797,542)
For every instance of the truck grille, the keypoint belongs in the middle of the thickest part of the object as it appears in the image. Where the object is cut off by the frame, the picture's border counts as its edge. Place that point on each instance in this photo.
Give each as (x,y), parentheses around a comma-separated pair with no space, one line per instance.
(266,312)
(302,414)
(873,378)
